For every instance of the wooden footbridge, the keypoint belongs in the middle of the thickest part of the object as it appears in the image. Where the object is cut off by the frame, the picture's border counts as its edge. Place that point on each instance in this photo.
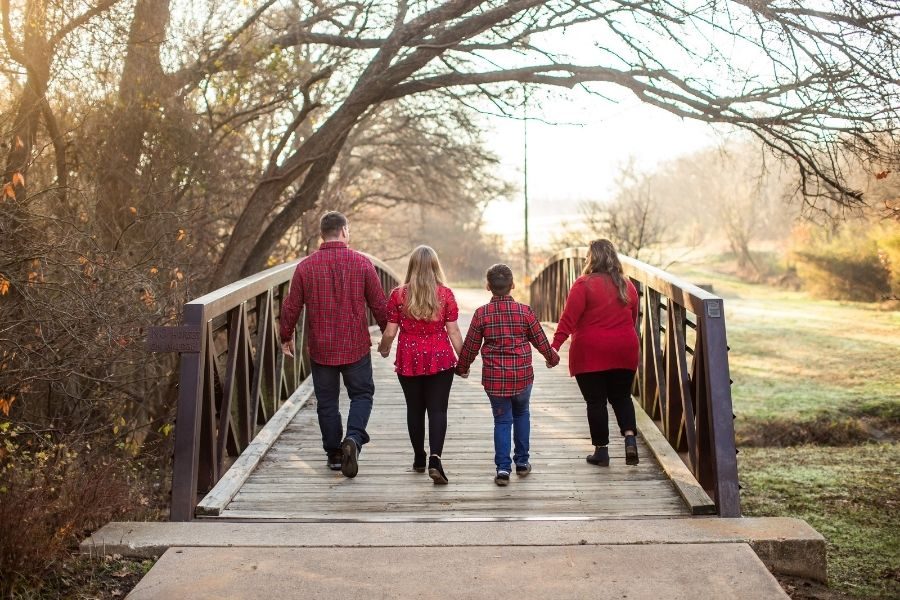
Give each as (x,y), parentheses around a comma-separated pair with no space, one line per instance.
(247,444)
(256,512)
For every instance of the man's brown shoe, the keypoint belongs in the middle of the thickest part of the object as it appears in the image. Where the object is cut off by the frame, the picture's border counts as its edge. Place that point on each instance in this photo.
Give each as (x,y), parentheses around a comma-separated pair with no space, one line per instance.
(349,452)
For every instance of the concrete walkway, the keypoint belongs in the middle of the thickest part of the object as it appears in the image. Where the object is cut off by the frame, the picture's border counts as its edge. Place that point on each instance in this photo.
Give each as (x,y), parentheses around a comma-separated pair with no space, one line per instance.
(647,572)
(644,558)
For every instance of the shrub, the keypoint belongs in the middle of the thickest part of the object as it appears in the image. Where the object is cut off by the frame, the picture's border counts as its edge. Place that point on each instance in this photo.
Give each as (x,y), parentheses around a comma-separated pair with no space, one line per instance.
(822,430)
(845,275)
(51,494)
(854,264)
(887,236)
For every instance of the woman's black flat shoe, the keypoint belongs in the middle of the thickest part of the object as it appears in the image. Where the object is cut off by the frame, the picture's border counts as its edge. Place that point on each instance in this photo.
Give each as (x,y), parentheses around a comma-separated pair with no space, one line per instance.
(436,471)
(419,463)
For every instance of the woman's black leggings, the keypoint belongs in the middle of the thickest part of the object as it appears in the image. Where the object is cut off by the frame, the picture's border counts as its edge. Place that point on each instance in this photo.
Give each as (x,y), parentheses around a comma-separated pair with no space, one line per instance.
(431,394)
(614,386)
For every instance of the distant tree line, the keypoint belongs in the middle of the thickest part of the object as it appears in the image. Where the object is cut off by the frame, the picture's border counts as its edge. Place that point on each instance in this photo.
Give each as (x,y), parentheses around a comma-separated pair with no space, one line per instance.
(740,196)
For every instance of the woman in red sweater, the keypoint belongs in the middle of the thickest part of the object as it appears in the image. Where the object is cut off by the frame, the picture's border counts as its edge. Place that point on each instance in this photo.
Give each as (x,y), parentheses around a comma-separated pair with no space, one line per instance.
(600,314)
(424,312)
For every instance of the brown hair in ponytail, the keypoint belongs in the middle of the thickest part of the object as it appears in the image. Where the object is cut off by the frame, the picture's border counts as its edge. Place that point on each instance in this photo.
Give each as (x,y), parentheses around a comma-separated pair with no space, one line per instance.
(602,258)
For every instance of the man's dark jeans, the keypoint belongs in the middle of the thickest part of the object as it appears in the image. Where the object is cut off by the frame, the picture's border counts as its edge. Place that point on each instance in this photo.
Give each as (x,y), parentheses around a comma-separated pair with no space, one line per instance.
(360,387)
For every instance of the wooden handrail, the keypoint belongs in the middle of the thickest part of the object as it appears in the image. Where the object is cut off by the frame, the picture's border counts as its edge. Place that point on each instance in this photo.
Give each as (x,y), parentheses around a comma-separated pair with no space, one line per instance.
(233,376)
(683,381)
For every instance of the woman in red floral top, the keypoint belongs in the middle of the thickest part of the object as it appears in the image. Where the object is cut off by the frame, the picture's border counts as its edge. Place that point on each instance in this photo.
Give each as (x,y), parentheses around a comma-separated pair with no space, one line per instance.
(424,312)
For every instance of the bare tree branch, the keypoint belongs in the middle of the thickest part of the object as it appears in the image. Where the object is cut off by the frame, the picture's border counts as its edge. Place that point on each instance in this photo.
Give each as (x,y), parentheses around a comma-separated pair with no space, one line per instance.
(80,20)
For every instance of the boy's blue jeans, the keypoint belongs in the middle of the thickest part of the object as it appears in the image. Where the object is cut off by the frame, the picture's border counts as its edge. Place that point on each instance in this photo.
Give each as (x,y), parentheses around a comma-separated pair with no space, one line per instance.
(511,413)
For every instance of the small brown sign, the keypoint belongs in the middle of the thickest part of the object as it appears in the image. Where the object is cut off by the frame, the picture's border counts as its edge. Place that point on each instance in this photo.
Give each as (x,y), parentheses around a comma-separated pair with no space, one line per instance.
(173,339)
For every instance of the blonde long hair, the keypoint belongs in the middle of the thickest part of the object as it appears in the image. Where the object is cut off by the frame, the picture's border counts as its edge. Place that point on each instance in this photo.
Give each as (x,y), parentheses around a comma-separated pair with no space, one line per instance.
(603,259)
(423,276)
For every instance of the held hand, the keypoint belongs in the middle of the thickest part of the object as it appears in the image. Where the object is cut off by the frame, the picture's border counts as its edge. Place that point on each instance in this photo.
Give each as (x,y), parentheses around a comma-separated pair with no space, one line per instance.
(288,348)
(553,360)
(384,353)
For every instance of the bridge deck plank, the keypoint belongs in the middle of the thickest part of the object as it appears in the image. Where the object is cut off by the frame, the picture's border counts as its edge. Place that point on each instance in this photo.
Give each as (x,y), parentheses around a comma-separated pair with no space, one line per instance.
(292,482)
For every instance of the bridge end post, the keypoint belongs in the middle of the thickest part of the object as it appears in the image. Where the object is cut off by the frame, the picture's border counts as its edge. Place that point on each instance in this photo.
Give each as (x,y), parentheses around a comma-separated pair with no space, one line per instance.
(721,419)
(187,425)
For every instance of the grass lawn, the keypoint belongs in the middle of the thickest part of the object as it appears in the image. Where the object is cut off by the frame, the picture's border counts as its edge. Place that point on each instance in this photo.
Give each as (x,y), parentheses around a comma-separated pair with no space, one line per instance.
(795,357)
(799,364)
(850,495)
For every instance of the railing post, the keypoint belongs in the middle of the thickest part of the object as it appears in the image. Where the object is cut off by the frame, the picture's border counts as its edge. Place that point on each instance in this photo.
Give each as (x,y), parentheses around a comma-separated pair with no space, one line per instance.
(721,423)
(187,423)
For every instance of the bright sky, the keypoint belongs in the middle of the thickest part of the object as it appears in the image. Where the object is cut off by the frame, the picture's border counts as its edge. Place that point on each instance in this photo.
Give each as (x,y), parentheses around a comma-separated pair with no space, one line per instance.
(569,163)
(578,158)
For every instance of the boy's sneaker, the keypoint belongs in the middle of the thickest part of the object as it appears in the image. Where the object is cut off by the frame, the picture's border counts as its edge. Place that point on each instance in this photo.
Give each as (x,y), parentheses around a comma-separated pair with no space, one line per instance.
(631,453)
(502,478)
(349,451)
(600,457)
(523,470)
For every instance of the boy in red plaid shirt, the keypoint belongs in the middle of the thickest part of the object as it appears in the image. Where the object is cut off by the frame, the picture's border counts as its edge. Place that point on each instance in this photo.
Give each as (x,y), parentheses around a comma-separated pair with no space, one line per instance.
(507,329)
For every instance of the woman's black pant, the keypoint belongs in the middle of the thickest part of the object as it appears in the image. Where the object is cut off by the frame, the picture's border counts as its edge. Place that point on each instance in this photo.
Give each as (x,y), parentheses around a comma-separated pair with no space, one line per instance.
(431,394)
(613,386)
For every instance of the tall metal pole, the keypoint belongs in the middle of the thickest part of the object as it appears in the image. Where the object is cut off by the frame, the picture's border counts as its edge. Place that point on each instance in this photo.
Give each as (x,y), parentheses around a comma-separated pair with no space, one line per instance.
(525,185)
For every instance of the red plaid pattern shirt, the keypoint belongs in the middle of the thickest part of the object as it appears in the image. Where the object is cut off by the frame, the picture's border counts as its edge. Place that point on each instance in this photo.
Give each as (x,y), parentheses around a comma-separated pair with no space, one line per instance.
(336,284)
(506,328)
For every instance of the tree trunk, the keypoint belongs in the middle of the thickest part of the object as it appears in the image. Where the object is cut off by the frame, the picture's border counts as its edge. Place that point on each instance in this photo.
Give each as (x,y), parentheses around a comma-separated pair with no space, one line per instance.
(241,249)
(244,253)
(142,91)
(305,199)
(243,236)
(25,128)
(35,57)
(245,250)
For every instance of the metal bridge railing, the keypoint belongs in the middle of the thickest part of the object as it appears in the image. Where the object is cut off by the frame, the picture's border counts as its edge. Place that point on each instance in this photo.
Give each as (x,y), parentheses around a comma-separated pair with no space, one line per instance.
(233,376)
(683,381)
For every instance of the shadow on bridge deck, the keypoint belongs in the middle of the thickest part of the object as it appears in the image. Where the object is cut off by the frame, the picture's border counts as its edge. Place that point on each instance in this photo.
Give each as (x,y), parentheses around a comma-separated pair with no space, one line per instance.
(292,481)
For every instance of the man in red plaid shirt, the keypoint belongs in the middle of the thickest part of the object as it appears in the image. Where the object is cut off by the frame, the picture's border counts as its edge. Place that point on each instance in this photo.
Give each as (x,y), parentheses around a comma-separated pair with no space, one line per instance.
(507,329)
(336,284)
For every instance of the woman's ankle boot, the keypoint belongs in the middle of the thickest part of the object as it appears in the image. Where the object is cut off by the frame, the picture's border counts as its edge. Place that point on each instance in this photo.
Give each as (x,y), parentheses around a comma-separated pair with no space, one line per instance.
(631,453)
(600,457)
